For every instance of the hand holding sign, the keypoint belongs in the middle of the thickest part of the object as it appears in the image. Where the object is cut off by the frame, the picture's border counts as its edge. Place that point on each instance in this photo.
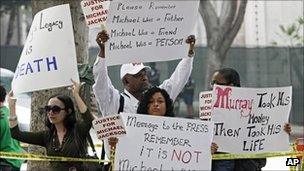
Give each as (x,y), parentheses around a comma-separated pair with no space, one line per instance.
(101,38)
(191,40)
(11,99)
(76,87)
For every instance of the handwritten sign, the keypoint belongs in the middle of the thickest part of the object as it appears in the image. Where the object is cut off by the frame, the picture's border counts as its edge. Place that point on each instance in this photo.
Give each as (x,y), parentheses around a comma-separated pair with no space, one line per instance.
(251,119)
(147,31)
(48,59)
(163,143)
(95,12)
(205,105)
(110,126)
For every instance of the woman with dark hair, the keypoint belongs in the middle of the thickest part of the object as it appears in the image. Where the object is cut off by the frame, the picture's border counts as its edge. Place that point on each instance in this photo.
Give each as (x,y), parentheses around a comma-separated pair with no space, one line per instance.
(227,77)
(156,101)
(230,77)
(64,136)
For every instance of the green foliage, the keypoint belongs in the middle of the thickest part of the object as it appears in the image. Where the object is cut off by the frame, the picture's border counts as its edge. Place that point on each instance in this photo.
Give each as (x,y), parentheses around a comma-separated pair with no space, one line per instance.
(293,33)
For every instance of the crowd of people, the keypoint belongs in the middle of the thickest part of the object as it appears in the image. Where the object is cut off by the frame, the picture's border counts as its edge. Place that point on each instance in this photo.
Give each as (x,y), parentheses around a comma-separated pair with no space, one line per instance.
(66,136)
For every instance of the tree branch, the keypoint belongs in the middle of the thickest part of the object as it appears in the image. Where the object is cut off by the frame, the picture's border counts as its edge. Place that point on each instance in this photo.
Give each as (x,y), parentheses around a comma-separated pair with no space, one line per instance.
(210,20)
(237,24)
(227,16)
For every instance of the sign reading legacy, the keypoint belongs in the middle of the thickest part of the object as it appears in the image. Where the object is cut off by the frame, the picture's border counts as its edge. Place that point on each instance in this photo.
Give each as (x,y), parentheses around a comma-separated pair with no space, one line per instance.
(146,31)
(49,52)
(163,143)
(251,119)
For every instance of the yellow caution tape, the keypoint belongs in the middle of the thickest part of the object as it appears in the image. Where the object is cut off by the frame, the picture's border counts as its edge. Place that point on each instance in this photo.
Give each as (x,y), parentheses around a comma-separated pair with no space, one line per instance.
(254,156)
(36,157)
(25,145)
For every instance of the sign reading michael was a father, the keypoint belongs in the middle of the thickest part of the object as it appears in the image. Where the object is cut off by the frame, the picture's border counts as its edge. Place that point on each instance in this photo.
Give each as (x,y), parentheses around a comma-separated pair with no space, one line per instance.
(251,120)
(164,143)
(48,59)
(147,31)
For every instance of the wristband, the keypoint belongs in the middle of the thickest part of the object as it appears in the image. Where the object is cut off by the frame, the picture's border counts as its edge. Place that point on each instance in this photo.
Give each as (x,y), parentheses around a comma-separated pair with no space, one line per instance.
(12,118)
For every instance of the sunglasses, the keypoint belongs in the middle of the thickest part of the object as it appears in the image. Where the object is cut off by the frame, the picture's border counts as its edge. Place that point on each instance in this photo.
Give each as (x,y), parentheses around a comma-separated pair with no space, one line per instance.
(215,82)
(55,109)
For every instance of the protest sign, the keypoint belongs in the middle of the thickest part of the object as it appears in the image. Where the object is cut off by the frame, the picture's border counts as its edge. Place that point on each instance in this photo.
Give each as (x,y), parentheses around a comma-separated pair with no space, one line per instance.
(148,31)
(48,59)
(164,143)
(95,12)
(109,126)
(205,105)
(251,119)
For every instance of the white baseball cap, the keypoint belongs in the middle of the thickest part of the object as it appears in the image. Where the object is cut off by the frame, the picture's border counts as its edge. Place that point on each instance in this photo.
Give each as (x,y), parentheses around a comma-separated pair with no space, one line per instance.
(131,68)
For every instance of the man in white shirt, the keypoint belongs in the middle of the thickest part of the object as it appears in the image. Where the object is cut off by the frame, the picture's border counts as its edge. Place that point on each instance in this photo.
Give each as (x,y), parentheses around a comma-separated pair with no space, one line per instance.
(135,81)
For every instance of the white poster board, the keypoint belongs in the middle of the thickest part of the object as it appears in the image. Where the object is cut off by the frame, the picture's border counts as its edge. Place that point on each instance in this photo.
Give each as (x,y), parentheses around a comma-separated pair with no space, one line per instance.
(148,31)
(95,12)
(251,120)
(109,126)
(164,143)
(48,59)
(205,105)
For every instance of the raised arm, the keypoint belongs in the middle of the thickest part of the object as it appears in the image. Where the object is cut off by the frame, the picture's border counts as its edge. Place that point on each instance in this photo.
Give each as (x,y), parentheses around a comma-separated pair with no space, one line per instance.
(106,95)
(86,124)
(37,138)
(175,84)
(75,91)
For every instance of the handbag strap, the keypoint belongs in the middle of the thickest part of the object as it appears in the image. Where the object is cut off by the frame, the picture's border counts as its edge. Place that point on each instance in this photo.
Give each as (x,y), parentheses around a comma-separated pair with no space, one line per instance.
(120,109)
(91,144)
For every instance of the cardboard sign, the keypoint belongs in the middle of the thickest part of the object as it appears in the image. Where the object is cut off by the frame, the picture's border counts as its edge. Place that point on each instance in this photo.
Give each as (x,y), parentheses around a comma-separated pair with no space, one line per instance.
(95,12)
(48,59)
(164,143)
(205,105)
(109,126)
(251,120)
(148,31)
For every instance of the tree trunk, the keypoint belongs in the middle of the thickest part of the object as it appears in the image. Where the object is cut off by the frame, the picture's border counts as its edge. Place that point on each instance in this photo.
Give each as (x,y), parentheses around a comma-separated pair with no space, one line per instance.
(214,63)
(40,98)
(11,22)
(221,31)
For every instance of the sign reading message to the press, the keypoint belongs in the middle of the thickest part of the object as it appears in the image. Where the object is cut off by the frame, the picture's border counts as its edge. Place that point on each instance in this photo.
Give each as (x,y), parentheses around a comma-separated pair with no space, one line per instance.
(251,120)
(147,31)
(163,143)
(48,59)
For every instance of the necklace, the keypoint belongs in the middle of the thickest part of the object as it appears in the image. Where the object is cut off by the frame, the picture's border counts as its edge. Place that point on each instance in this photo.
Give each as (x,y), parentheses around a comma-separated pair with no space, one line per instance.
(58,141)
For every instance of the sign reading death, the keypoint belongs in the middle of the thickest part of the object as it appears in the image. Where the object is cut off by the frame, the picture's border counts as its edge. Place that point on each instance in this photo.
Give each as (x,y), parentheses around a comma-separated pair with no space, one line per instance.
(51,27)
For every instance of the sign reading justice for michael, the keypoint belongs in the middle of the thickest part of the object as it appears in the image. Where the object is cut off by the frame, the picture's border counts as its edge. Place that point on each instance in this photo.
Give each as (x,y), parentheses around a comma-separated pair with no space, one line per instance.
(251,120)
(147,31)
(109,126)
(164,143)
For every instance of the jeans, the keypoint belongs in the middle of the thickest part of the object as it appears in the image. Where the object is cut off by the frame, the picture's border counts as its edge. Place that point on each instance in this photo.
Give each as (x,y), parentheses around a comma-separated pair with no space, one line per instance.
(222,165)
